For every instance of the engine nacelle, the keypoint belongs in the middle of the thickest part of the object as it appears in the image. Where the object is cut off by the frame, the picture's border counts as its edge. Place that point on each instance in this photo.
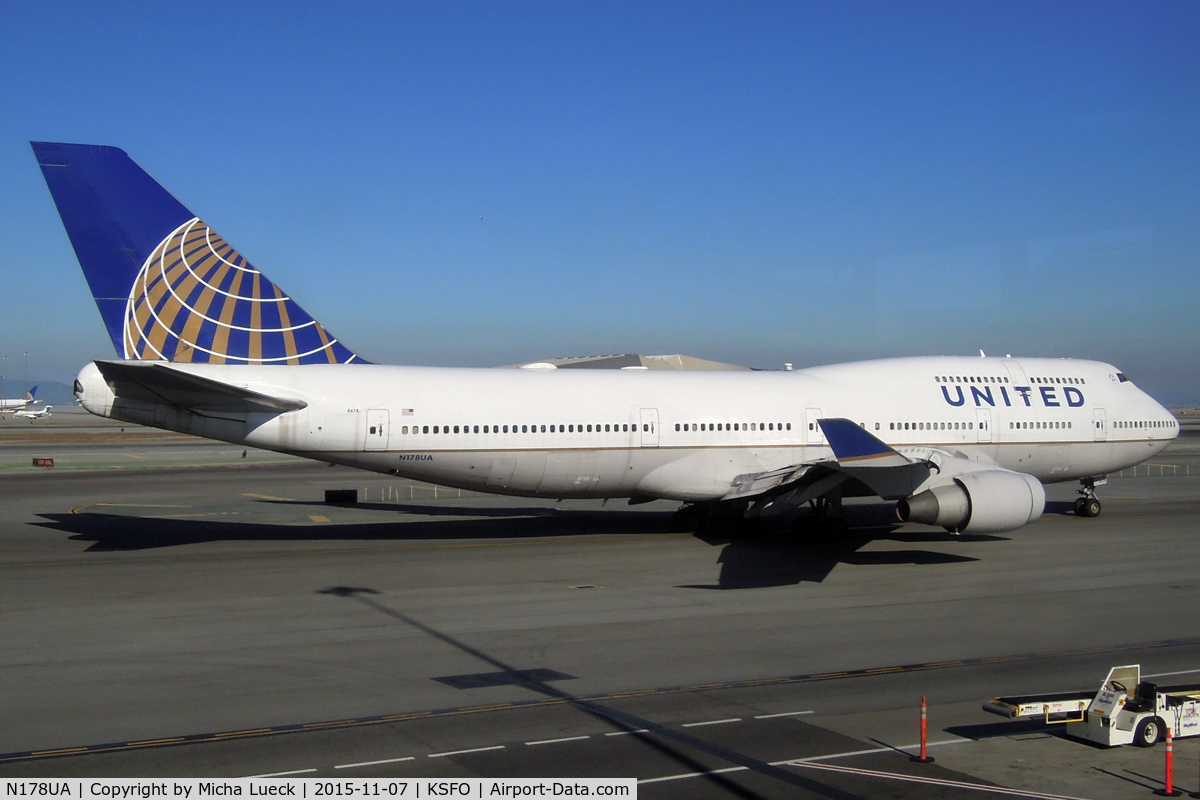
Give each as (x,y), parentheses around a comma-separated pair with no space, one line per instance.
(986,501)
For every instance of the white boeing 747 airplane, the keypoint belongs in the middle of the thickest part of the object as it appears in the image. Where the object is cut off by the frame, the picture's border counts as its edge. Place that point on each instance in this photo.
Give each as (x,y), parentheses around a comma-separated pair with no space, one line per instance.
(9,405)
(212,348)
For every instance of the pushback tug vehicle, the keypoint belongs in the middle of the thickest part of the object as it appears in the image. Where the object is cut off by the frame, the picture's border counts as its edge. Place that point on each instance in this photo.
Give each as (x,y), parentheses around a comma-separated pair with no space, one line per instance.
(1126,710)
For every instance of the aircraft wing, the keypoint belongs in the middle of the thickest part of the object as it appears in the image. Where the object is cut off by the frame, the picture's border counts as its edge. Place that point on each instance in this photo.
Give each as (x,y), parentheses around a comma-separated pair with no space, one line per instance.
(862,464)
(156,383)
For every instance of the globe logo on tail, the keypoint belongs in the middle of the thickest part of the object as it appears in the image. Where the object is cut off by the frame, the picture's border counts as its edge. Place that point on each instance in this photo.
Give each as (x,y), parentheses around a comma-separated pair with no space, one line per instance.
(197,299)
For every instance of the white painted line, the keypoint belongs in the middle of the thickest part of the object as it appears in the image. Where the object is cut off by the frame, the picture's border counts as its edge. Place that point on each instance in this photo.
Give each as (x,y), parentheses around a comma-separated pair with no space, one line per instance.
(1169,674)
(870,752)
(461,752)
(556,741)
(281,774)
(978,787)
(801,761)
(373,763)
(692,775)
(784,714)
(711,722)
(626,733)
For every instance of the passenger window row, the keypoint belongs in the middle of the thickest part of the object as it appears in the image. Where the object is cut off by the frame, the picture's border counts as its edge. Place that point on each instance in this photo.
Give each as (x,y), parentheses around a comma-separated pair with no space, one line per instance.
(1038,425)
(993,379)
(1078,381)
(969,379)
(734,426)
(931,426)
(1160,423)
(624,427)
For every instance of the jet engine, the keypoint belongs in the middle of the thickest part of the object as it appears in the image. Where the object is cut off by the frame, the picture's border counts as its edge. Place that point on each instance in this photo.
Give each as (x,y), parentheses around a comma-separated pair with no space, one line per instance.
(987,501)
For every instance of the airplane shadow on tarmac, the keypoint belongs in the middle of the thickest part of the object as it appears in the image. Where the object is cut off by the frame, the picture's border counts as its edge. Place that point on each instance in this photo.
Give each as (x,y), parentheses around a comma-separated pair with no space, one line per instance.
(781,558)
(770,559)
(120,532)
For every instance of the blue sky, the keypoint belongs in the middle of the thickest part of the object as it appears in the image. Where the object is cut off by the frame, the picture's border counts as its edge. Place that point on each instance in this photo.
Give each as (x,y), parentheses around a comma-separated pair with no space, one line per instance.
(751,182)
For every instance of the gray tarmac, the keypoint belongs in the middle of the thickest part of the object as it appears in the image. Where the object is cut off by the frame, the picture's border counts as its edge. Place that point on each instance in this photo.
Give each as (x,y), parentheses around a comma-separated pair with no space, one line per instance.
(198,613)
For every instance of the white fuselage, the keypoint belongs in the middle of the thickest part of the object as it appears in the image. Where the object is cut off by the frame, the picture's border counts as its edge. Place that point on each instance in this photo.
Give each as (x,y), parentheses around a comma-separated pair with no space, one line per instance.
(672,434)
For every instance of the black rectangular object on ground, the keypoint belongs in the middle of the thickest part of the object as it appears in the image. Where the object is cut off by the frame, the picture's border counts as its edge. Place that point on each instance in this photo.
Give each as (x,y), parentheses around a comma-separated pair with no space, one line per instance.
(341,496)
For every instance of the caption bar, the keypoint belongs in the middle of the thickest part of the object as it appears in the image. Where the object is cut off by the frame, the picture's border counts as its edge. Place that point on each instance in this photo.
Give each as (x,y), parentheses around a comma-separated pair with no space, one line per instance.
(282,787)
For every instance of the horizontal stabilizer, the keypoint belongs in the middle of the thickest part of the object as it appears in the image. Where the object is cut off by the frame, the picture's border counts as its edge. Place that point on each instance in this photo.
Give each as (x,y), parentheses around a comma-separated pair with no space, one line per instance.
(853,445)
(158,383)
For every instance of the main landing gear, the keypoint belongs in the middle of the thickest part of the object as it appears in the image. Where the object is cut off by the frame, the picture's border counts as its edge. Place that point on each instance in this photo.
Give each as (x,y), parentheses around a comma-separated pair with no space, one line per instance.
(714,519)
(821,526)
(1087,504)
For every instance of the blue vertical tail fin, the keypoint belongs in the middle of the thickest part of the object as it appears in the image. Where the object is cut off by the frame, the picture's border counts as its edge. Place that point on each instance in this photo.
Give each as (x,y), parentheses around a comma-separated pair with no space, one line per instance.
(167,286)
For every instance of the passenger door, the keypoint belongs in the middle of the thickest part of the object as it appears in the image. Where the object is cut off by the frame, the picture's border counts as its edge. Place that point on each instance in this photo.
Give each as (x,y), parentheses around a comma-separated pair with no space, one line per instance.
(983,424)
(1100,424)
(377,429)
(649,427)
(814,434)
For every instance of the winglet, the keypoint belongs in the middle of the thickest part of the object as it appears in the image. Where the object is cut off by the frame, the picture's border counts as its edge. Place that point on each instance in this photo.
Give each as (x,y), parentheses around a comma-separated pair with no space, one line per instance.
(853,444)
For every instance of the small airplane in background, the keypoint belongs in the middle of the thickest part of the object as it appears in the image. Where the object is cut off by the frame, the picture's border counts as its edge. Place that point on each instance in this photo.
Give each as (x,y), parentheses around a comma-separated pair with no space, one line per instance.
(9,405)
(32,415)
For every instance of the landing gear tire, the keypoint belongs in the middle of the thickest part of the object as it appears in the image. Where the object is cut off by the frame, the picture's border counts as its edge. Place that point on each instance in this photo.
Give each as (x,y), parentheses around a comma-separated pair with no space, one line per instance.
(1149,732)
(822,531)
(687,519)
(711,519)
(1086,505)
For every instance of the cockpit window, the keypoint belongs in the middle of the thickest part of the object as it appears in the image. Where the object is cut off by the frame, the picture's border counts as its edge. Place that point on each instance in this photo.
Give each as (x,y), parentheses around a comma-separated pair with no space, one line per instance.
(1121,377)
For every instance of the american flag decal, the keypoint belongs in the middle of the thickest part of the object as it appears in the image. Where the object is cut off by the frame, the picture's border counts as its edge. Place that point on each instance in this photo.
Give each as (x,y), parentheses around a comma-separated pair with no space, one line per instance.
(406,412)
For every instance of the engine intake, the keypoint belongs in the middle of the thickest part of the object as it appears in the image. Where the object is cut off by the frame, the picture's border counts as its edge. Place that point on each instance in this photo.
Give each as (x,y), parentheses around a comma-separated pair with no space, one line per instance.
(988,501)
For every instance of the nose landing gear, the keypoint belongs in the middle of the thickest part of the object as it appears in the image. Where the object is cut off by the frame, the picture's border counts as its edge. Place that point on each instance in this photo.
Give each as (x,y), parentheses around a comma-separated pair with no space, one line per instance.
(1087,504)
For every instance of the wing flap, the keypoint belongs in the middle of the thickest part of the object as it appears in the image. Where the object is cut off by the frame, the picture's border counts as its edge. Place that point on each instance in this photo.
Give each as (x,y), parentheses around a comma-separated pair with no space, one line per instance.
(760,483)
(861,458)
(158,383)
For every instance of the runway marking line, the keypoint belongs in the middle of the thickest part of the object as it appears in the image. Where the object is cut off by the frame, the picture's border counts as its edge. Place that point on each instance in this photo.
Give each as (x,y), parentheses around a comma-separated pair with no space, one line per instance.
(977,787)
(711,722)
(556,741)
(1169,674)
(318,518)
(463,752)
(341,723)
(281,774)
(202,738)
(685,775)
(784,714)
(628,733)
(233,734)
(269,497)
(79,509)
(794,762)
(373,763)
